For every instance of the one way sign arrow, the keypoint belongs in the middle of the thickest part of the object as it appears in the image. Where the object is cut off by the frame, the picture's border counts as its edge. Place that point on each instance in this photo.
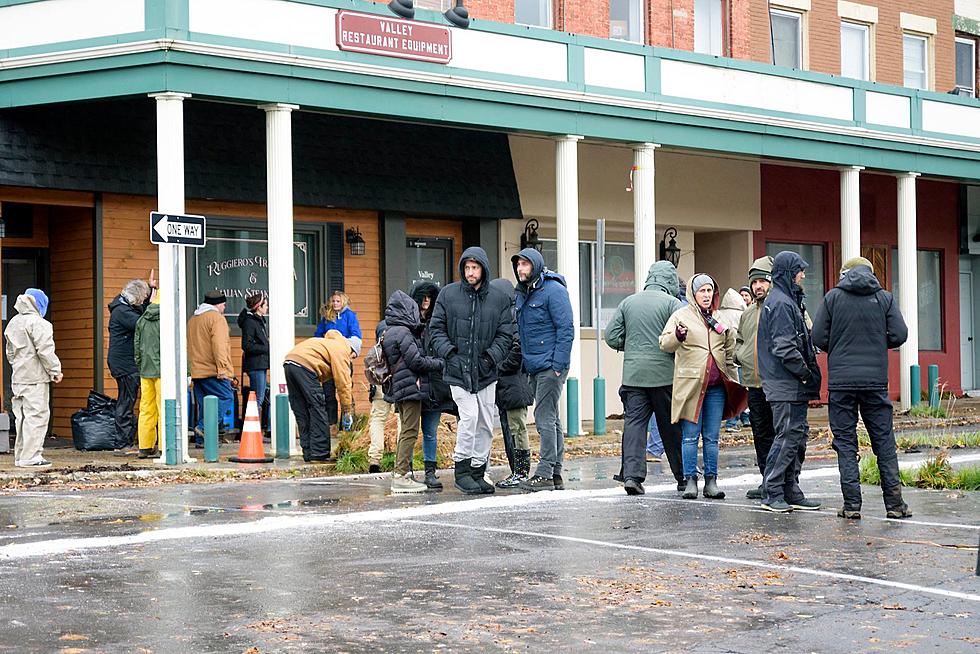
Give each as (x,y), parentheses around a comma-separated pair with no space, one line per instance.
(177,229)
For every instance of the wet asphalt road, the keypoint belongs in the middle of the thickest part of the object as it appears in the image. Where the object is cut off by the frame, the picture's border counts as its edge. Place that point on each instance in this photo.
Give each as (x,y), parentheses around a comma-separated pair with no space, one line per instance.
(340,565)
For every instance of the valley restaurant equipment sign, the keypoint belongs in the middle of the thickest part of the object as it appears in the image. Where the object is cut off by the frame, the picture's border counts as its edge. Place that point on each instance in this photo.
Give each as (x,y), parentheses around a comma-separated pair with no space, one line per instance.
(393,37)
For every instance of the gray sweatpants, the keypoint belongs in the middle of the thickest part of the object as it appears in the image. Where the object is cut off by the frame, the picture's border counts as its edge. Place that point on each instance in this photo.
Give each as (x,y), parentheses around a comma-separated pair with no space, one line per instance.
(547,387)
(474,432)
(32,412)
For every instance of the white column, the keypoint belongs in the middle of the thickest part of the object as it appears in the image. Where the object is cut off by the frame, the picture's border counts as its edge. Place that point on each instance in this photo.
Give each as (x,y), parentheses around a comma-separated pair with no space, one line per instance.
(566,189)
(644,211)
(908,280)
(279,181)
(173,298)
(850,212)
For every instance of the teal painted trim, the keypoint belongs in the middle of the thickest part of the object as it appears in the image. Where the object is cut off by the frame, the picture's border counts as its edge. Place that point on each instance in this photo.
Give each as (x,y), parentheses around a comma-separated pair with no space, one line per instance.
(576,65)
(155,14)
(964,24)
(916,114)
(11,3)
(651,70)
(68,86)
(46,48)
(860,110)
(178,19)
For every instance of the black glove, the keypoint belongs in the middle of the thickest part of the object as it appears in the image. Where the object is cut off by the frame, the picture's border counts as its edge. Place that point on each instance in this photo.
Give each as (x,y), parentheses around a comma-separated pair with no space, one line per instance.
(372,392)
(487,365)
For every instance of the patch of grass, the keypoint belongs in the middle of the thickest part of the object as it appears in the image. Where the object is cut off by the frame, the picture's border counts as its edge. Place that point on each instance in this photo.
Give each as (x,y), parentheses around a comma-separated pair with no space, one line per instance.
(388,461)
(935,473)
(925,411)
(352,461)
(869,470)
(863,439)
(944,440)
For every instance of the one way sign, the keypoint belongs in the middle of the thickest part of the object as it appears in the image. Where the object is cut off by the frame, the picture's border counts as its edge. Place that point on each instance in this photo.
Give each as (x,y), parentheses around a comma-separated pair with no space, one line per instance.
(176,229)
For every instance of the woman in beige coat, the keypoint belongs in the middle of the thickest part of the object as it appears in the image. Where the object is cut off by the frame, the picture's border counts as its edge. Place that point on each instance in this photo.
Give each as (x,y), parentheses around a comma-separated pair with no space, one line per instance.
(705,388)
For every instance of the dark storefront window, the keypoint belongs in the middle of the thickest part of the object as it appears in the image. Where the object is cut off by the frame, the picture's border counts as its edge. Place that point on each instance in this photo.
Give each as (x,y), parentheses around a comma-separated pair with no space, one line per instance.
(814,283)
(929,297)
(235,260)
(429,260)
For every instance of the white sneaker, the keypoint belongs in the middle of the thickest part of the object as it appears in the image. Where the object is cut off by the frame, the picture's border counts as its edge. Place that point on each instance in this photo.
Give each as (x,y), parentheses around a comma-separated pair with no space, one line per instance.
(37,463)
(405,484)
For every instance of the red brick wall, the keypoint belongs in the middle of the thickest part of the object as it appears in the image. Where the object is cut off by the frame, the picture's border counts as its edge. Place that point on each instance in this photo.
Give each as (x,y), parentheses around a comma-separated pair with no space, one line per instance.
(800,205)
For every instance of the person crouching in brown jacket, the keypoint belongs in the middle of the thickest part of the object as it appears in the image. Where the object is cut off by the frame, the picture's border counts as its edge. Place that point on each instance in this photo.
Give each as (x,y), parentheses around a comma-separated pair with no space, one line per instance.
(705,388)
(209,358)
(307,366)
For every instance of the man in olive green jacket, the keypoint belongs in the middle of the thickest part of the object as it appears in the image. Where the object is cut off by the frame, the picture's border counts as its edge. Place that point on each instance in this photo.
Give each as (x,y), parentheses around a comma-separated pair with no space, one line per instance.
(648,373)
(146,347)
(760,413)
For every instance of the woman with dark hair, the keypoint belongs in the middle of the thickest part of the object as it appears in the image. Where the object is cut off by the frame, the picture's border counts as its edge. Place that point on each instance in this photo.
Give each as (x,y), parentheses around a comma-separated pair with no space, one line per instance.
(439,399)
(705,387)
(255,347)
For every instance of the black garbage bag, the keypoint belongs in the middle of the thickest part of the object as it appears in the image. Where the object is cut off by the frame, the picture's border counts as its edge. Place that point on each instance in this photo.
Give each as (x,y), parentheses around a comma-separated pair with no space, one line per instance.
(94,427)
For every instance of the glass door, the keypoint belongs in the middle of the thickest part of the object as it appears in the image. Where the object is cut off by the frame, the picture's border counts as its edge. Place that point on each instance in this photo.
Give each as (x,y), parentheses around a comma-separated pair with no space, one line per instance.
(428,260)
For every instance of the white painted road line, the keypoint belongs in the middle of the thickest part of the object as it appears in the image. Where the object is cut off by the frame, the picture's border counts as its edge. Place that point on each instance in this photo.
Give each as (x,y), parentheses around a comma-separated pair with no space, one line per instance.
(715,559)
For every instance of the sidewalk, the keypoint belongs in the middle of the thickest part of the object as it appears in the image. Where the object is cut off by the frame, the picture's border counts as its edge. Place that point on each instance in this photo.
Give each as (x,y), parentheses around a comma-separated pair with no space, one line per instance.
(76,469)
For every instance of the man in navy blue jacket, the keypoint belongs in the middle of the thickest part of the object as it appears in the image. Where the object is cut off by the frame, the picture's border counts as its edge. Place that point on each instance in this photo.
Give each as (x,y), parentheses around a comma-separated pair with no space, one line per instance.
(790,379)
(547,329)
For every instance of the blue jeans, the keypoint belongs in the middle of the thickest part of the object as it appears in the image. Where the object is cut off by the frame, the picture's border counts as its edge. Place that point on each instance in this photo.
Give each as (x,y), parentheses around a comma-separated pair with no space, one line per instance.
(258,380)
(220,388)
(430,424)
(655,446)
(707,427)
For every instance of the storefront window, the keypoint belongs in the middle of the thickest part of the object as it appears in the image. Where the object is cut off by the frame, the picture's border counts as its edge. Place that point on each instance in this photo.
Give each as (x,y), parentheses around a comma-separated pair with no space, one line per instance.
(929,297)
(549,250)
(813,284)
(235,260)
(618,277)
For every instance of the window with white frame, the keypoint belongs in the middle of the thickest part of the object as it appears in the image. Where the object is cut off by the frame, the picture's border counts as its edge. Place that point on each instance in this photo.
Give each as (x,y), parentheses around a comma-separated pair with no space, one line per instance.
(916,61)
(626,20)
(929,296)
(536,13)
(855,50)
(787,38)
(813,282)
(708,30)
(966,64)
(434,5)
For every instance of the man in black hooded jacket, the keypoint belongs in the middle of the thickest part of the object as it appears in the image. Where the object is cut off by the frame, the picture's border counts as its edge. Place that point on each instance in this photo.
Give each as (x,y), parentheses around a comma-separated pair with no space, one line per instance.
(856,325)
(471,330)
(790,378)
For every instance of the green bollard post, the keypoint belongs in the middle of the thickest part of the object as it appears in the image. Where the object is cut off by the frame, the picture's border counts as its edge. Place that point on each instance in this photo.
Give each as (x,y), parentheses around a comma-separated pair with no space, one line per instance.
(282,426)
(210,429)
(934,386)
(572,407)
(170,432)
(915,384)
(599,404)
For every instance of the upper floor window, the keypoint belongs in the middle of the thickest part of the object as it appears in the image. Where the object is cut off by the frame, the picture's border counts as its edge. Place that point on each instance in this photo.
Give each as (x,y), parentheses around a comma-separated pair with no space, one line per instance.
(916,61)
(787,38)
(536,13)
(855,50)
(708,30)
(626,20)
(434,5)
(966,64)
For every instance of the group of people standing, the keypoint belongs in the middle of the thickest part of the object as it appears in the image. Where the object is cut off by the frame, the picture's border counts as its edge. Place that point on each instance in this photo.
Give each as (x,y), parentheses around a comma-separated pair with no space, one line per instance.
(688,366)
(479,348)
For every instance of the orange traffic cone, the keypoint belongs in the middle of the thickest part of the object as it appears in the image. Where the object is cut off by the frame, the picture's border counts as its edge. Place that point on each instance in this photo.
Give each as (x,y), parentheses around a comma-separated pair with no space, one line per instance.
(251,450)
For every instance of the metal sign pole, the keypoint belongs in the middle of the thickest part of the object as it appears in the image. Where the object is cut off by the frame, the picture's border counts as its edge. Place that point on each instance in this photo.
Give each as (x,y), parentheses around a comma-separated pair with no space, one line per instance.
(599,384)
(178,330)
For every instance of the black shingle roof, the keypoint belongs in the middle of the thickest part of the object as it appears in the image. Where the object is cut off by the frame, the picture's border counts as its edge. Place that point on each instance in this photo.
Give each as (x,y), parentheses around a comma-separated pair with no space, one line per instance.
(338,161)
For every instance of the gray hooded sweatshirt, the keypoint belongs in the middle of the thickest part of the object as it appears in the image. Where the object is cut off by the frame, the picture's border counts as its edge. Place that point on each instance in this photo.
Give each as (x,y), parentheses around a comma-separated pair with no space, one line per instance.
(636,326)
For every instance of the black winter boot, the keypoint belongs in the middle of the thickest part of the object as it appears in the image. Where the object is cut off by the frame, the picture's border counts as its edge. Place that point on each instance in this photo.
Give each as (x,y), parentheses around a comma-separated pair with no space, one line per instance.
(479,480)
(895,507)
(522,466)
(691,489)
(463,478)
(430,476)
(711,490)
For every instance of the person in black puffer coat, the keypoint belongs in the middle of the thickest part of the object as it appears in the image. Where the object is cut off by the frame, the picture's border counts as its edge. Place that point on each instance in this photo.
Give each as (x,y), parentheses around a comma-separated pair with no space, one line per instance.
(255,349)
(856,325)
(471,330)
(439,400)
(408,385)
(790,377)
(514,396)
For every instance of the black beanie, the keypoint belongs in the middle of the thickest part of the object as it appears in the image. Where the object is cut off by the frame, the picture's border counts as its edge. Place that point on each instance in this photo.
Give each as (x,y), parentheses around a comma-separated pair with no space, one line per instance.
(214,297)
